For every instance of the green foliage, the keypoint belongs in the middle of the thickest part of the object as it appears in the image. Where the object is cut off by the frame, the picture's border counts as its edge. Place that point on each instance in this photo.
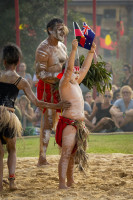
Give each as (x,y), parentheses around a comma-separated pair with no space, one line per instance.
(97,76)
(34,16)
(7,22)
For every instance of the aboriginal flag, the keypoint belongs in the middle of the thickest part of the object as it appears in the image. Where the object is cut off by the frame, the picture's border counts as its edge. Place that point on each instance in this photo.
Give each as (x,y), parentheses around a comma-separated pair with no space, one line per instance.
(106,40)
(79,35)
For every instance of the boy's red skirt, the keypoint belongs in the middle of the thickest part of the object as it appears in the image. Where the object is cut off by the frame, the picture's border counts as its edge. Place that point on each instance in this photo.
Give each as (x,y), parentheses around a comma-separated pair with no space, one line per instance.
(62,123)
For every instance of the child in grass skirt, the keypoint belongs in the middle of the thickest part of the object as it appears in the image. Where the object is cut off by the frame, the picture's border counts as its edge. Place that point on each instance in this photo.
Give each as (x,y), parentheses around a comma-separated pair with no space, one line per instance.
(71,133)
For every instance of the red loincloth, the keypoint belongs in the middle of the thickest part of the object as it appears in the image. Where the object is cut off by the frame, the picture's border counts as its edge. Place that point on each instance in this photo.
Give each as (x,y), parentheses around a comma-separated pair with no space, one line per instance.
(48,95)
(62,123)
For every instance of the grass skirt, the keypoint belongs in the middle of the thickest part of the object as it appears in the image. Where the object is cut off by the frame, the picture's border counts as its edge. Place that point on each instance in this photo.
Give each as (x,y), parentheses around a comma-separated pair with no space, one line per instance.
(10,126)
(82,135)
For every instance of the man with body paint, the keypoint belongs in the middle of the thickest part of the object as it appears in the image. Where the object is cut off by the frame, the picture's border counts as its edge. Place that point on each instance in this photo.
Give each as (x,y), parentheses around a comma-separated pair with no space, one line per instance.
(50,56)
(71,123)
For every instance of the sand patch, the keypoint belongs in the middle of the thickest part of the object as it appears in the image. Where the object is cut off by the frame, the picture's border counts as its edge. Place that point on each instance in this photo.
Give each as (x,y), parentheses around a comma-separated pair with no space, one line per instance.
(108,177)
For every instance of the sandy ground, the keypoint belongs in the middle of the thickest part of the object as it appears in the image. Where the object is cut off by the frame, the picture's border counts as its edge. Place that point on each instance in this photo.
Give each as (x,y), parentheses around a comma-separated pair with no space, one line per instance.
(108,177)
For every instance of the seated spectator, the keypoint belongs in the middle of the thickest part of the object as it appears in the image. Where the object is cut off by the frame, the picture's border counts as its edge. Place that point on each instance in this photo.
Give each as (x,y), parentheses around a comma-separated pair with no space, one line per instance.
(98,99)
(109,68)
(37,121)
(18,112)
(89,99)
(102,114)
(87,111)
(37,118)
(27,115)
(27,76)
(116,96)
(127,74)
(114,88)
(130,81)
(122,110)
(87,107)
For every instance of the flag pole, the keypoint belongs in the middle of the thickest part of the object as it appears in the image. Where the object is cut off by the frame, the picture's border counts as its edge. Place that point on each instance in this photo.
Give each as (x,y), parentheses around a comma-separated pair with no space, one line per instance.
(77,48)
(95,54)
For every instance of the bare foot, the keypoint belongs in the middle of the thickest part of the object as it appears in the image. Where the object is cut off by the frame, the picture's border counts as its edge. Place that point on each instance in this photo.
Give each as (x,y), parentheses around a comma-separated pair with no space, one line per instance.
(12,185)
(42,161)
(70,183)
(61,186)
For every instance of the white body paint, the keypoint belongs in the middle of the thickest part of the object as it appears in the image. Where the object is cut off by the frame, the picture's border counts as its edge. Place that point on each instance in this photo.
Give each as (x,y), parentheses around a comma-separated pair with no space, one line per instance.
(49,60)
(47,136)
(73,94)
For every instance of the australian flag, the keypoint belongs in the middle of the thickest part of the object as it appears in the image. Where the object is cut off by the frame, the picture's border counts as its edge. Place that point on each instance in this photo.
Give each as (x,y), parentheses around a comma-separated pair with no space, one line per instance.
(85,36)
(89,34)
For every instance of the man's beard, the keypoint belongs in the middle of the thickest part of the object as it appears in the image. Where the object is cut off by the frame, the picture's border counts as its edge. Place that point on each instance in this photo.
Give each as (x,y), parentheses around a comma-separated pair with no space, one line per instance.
(58,37)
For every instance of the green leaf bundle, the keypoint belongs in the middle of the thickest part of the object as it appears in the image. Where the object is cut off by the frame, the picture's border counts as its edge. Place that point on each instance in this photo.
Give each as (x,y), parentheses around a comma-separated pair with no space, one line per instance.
(97,76)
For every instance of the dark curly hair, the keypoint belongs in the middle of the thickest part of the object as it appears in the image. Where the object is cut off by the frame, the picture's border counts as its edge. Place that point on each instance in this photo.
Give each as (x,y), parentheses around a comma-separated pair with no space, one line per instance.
(51,24)
(11,53)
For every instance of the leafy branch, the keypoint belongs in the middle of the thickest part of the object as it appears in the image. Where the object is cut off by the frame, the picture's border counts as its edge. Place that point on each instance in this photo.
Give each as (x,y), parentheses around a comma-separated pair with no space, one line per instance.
(97,76)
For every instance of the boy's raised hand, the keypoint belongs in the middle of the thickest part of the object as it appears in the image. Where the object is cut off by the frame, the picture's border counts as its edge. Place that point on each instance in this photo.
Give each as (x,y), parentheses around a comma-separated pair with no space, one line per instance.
(74,44)
(93,48)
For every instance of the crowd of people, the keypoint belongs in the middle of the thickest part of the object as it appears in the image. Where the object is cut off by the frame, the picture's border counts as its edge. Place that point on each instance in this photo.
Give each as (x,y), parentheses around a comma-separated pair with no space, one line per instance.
(107,112)
(64,110)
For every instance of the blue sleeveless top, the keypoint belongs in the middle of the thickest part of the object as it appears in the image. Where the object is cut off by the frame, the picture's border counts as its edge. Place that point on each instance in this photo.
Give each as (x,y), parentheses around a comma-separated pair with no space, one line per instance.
(9,93)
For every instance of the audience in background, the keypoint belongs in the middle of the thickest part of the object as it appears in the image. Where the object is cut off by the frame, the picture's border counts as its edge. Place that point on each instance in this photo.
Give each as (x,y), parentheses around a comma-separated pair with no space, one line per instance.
(116,96)
(29,118)
(109,68)
(98,99)
(127,74)
(37,121)
(18,112)
(27,115)
(27,76)
(122,110)
(130,81)
(89,99)
(35,82)
(98,112)
(102,114)
(87,107)
(114,88)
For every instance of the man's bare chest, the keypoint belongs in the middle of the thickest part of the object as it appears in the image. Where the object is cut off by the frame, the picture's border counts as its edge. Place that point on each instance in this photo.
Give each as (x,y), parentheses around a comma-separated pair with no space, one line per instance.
(56,55)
